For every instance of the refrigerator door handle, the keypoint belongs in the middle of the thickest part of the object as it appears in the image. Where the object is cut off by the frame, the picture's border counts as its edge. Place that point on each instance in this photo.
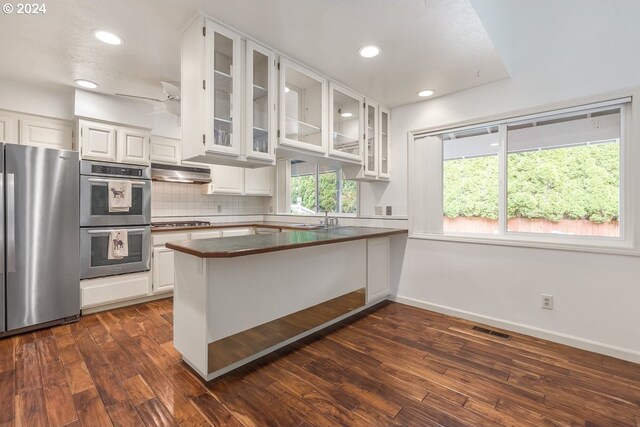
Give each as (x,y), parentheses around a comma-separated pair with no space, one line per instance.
(11,223)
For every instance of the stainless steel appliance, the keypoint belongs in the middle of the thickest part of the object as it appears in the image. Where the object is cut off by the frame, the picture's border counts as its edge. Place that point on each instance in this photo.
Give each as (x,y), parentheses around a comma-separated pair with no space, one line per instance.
(94,200)
(39,225)
(175,173)
(96,222)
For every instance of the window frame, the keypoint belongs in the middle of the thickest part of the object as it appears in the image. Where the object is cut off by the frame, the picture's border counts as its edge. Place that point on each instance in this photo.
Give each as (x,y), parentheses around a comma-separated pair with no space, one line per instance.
(422,219)
(339,180)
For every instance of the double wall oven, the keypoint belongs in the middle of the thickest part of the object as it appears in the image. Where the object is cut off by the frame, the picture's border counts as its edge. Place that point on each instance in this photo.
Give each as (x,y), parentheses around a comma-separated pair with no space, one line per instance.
(97,221)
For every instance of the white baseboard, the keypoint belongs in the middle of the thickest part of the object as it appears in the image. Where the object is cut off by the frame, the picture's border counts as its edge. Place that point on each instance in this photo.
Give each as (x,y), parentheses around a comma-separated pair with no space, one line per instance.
(120,304)
(581,343)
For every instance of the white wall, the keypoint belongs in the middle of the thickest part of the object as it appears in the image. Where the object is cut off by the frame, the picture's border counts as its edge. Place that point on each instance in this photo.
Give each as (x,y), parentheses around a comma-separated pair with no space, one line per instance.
(564,50)
(49,101)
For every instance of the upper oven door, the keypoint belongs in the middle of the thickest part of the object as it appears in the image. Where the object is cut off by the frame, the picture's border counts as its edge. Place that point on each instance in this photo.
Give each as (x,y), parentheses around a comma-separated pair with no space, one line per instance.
(94,203)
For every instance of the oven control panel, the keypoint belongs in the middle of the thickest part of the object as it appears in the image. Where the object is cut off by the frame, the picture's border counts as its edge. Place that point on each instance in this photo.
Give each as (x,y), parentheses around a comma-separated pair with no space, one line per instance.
(115,170)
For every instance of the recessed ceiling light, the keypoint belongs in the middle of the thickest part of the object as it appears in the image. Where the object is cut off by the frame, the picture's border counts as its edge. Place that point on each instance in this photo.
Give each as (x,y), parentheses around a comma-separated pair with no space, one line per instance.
(286,89)
(107,37)
(369,51)
(347,115)
(425,93)
(86,84)
(495,144)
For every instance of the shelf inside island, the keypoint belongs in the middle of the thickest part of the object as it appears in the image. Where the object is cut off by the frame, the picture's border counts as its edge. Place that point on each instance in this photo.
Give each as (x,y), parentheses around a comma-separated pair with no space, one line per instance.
(239,298)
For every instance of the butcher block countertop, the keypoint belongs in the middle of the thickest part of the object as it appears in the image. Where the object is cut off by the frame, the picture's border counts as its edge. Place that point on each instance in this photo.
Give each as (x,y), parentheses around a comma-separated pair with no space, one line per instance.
(229,247)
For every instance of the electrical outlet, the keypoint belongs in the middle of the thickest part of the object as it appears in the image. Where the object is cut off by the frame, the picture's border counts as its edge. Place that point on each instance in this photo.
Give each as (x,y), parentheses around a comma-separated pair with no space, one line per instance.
(219,208)
(377,210)
(547,302)
(389,211)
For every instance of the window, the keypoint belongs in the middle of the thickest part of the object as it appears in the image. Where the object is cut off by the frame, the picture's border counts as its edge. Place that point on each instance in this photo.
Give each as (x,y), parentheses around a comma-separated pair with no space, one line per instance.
(553,175)
(318,188)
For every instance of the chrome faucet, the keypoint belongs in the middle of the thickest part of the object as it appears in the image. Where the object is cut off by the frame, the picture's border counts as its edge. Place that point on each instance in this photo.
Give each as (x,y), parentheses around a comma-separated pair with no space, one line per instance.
(329,221)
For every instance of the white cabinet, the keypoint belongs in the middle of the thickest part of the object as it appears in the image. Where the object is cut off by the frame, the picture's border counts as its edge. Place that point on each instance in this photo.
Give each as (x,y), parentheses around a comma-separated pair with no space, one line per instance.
(206,234)
(133,146)
(227,179)
(228,97)
(113,289)
(97,141)
(384,170)
(377,268)
(303,108)
(230,232)
(258,181)
(260,102)
(163,270)
(162,263)
(8,128)
(375,162)
(113,143)
(48,133)
(345,120)
(16,128)
(165,150)
(223,83)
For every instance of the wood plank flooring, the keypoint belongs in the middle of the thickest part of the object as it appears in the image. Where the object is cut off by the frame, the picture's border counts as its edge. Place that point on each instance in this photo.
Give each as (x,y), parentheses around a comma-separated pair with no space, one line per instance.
(394,365)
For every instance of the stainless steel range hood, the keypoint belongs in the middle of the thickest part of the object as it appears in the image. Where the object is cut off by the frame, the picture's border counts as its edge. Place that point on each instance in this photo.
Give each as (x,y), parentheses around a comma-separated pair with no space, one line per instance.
(175,173)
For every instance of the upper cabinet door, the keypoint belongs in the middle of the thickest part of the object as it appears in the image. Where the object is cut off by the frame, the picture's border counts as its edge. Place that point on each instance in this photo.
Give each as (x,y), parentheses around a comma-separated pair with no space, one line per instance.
(303,101)
(260,101)
(133,146)
(46,133)
(165,150)
(97,141)
(384,169)
(345,119)
(8,129)
(223,90)
(371,140)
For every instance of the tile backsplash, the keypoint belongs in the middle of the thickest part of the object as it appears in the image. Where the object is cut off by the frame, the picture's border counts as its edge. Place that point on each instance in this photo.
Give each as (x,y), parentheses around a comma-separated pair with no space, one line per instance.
(174,199)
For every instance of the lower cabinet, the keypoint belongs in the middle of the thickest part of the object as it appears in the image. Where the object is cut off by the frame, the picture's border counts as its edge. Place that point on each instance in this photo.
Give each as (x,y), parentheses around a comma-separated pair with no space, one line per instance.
(162,267)
(113,289)
(377,269)
(237,232)
(163,270)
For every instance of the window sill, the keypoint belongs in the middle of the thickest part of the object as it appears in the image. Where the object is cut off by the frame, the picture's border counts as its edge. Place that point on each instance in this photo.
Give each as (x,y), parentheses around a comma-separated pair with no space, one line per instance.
(609,248)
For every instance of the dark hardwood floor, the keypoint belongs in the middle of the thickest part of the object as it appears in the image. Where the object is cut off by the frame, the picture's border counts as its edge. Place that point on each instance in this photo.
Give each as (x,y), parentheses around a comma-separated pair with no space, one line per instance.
(392,366)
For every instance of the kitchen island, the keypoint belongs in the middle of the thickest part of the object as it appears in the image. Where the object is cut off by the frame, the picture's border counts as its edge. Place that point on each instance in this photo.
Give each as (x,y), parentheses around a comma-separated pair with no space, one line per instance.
(239,298)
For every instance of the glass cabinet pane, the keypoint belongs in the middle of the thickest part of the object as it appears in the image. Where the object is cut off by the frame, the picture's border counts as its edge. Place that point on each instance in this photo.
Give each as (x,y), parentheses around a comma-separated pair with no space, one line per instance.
(223,86)
(372,128)
(260,111)
(303,107)
(346,123)
(384,143)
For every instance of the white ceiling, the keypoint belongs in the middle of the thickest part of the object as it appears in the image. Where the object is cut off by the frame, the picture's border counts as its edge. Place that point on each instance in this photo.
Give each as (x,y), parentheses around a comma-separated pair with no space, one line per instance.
(426,44)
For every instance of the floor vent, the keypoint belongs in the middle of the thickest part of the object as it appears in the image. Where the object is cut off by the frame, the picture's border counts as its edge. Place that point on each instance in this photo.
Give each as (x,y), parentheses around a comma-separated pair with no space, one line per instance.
(490,332)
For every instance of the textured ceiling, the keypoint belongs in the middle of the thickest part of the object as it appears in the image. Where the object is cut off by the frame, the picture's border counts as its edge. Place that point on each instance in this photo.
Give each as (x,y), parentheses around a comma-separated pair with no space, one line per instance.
(436,44)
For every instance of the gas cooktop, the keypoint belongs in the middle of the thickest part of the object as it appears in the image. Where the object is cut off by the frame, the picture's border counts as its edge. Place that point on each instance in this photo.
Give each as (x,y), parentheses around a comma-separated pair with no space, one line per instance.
(172,224)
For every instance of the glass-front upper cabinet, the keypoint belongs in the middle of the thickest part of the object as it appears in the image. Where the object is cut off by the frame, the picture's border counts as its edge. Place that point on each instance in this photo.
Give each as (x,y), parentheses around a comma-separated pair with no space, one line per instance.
(384,170)
(260,101)
(345,119)
(303,100)
(371,139)
(224,88)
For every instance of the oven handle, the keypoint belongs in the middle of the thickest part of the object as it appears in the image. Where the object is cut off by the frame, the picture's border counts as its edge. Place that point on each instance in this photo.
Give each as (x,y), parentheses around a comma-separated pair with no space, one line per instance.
(116,180)
(129,230)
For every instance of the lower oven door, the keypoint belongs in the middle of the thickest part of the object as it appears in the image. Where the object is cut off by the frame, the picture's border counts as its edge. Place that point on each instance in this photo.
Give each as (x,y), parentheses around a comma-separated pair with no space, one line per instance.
(94,252)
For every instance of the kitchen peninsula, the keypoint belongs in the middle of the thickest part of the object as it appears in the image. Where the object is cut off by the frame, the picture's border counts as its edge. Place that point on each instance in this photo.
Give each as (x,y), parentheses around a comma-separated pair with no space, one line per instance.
(239,298)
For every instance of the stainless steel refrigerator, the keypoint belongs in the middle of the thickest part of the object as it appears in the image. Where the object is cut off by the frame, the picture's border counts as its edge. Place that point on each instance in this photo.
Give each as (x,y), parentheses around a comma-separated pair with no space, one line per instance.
(39,236)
